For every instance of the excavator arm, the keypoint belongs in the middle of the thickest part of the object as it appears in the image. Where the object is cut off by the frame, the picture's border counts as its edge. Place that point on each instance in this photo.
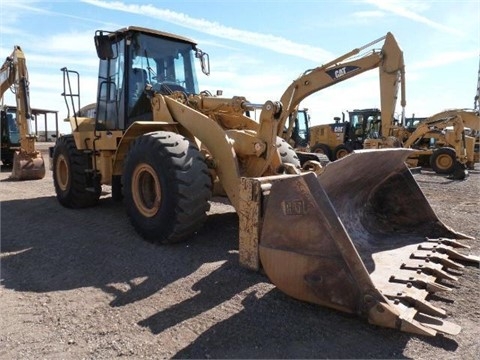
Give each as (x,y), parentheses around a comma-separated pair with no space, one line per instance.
(7,75)
(28,163)
(391,66)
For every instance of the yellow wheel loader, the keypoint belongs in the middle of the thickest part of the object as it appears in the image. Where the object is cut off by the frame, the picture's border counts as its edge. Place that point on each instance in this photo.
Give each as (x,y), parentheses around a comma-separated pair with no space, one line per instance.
(17,139)
(357,235)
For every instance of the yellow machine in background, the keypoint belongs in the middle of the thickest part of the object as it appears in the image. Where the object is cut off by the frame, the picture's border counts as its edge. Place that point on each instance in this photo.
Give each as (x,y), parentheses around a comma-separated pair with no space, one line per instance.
(28,163)
(341,137)
(356,235)
(443,139)
(440,141)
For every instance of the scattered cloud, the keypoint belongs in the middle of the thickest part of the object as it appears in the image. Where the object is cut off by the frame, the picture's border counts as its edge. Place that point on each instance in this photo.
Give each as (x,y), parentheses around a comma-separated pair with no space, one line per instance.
(368,14)
(444,58)
(66,40)
(410,11)
(266,41)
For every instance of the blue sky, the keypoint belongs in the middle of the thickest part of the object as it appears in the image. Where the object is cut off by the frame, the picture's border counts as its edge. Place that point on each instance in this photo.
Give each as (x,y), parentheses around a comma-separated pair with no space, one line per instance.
(257,48)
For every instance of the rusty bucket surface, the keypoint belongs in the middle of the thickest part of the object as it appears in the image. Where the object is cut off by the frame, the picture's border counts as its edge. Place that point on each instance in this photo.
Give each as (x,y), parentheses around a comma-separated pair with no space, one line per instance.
(28,166)
(362,238)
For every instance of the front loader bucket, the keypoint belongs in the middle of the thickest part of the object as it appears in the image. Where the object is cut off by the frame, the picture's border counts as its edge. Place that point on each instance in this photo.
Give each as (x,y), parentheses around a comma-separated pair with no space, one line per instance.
(361,238)
(28,166)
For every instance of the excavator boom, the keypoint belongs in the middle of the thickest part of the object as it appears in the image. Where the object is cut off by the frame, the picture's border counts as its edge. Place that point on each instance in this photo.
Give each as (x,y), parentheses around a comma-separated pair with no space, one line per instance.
(391,66)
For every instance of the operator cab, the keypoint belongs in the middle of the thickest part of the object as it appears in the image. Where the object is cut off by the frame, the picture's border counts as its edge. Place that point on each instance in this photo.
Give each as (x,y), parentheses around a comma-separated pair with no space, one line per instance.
(365,123)
(134,63)
(301,134)
(10,135)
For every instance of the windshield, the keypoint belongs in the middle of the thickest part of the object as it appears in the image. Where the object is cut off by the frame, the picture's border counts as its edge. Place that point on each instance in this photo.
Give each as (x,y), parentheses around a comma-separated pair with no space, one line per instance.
(168,65)
(11,130)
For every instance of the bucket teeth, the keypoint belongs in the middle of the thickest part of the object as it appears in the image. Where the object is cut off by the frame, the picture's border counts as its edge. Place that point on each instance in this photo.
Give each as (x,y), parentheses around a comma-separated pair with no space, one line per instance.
(431,269)
(419,275)
(421,281)
(419,304)
(452,254)
(425,307)
(411,297)
(450,242)
(440,325)
(437,257)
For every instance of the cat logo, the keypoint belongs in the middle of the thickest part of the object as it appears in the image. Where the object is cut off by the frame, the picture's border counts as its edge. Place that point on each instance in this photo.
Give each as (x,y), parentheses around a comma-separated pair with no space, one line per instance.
(338,73)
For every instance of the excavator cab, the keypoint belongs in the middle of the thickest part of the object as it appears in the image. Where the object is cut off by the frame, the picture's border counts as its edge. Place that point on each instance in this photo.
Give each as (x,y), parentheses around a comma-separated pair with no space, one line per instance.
(301,126)
(10,135)
(366,123)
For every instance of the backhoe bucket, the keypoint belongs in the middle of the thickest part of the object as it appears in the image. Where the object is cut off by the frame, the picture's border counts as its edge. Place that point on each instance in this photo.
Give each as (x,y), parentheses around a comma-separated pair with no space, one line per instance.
(28,166)
(361,238)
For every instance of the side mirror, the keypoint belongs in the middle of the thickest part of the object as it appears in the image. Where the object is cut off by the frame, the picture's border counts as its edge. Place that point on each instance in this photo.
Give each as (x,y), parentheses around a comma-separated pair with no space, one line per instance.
(103,46)
(204,61)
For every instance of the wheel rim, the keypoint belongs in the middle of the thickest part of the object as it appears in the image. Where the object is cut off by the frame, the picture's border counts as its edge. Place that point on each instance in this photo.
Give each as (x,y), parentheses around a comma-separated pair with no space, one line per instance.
(62,173)
(146,190)
(342,153)
(444,162)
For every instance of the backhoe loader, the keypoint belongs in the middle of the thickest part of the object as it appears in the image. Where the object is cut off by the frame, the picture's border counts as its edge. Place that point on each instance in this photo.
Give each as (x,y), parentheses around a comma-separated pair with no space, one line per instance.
(28,163)
(442,139)
(357,235)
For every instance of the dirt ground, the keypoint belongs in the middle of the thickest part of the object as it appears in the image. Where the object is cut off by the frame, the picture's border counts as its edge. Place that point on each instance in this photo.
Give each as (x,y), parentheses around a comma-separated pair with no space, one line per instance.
(83,285)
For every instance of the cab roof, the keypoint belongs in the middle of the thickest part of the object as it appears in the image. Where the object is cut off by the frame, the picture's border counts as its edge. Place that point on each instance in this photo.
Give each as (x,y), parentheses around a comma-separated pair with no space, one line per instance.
(128,29)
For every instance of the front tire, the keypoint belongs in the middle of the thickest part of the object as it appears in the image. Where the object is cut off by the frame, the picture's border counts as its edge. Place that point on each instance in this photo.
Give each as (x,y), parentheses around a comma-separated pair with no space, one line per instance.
(443,161)
(70,177)
(167,186)
(341,151)
(322,149)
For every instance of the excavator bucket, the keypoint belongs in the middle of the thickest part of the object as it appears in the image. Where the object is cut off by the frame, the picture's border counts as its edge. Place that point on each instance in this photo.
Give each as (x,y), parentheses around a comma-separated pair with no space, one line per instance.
(361,238)
(28,166)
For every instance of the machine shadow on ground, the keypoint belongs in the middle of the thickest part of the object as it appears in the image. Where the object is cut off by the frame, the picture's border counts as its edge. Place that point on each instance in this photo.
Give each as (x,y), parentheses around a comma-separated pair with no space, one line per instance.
(47,248)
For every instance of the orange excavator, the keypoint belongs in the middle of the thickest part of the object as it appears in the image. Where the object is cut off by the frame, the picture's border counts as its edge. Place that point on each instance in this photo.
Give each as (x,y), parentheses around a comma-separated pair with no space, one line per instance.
(28,163)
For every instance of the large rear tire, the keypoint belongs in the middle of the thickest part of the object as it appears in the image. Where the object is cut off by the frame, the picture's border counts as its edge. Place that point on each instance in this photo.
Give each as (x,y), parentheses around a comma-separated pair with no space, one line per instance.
(69,175)
(443,160)
(166,187)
